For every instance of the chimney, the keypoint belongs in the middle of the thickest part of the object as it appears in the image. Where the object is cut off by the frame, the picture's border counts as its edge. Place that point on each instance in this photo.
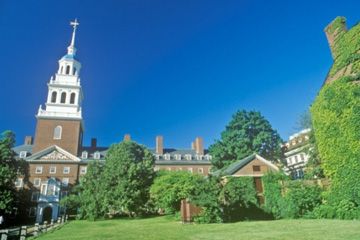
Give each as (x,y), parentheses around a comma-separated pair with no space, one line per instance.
(199,146)
(192,146)
(333,31)
(127,137)
(159,145)
(28,140)
(93,142)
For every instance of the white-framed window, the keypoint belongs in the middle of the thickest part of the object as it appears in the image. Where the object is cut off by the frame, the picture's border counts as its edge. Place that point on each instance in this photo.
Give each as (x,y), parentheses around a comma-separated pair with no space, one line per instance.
(23,154)
(19,183)
(32,212)
(43,188)
(302,157)
(198,157)
(296,159)
(65,182)
(66,170)
(208,157)
(97,155)
(38,169)
(34,196)
(84,155)
(188,156)
(52,170)
(190,169)
(177,156)
(37,182)
(167,156)
(200,170)
(83,169)
(57,132)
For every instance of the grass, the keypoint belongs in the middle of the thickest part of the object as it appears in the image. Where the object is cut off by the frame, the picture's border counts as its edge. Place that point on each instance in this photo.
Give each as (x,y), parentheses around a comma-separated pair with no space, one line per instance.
(164,228)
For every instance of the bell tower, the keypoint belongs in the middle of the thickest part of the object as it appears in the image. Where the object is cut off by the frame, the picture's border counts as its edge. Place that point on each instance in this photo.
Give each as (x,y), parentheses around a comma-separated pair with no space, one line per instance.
(60,122)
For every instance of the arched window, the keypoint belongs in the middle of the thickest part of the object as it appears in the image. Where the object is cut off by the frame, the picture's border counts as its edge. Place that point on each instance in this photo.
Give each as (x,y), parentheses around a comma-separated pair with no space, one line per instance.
(53,97)
(67,69)
(72,98)
(74,70)
(63,97)
(57,132)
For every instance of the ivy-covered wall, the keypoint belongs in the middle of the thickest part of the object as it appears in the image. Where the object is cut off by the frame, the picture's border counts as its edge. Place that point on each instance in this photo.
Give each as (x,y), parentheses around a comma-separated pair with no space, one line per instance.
(336,115)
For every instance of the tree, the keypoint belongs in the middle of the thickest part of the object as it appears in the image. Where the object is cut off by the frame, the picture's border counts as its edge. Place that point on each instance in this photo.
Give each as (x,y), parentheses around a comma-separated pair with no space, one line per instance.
(90,196)
(7,171)
(247,132)
(128,175)
(170,187)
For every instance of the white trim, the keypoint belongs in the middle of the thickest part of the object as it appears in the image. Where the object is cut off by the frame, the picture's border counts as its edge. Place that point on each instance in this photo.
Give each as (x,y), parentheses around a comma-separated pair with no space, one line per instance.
(38,169)
(39,182)
(266,162)
(54,168)
(66,170)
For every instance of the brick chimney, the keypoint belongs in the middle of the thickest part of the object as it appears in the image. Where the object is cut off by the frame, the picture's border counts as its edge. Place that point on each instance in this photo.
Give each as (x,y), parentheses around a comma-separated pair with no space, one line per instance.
(127,137)
(28,140)
(159,145)
(93,142)
(199,146)
(333,31)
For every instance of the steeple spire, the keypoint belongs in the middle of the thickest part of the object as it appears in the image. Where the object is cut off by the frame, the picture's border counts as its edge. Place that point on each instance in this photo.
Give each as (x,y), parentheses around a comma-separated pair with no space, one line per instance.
(71,48)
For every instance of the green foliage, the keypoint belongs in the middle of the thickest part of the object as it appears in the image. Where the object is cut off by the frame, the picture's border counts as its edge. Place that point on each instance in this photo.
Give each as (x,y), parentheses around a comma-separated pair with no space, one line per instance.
(91,194)
(336,120)
(289,199)
(7,171)
(128,175)
(343,210)
(247,132)
(170,187)
(313,168)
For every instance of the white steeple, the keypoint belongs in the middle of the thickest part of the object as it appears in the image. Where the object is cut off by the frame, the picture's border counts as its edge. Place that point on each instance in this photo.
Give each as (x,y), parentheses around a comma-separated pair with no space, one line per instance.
(65,94)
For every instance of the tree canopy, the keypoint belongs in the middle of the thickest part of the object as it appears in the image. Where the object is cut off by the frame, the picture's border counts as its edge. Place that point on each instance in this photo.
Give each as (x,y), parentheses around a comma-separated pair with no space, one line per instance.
(246,133)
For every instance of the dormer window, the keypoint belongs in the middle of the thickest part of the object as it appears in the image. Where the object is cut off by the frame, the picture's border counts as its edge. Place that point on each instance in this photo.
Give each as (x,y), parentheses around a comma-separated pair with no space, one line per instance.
(188,156)
(23,154)
(208,157)
(198,157)
(97,155)
(84,155)
(177,157)
(167,156)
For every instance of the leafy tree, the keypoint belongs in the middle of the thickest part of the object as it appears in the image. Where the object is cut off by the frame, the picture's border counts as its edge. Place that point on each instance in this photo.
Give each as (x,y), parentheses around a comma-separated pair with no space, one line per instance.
(7,171)
(247,132)
(170,187)
(90,198)
(128,175)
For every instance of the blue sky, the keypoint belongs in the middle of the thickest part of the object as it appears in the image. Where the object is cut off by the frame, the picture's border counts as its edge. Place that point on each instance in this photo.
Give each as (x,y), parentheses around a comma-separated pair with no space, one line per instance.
(175,68)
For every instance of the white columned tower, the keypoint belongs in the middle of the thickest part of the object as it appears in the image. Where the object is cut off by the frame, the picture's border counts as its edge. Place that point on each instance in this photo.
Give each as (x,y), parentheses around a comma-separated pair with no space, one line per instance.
(60,122)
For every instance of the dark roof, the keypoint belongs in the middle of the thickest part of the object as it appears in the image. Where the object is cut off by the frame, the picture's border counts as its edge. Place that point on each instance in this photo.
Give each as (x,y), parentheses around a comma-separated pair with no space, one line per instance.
(24,147)
(234,167)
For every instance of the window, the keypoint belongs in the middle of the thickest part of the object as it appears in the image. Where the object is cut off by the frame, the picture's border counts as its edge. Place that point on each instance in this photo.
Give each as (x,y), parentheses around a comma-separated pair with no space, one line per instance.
(83,169)
(296,159)
(23,154)
(177,156)
(53,97)
(72,98)
(208,157)
(84,155)
(66,170)
(52,170)
(37,182)
(166,156)
(19,183)
(34,196)
(256,168)
(65,182)
(200,170)
(74,70)
(63,97)
(38,169)
(198,157)
(32,212)
(188,156)
(302,157)
(57,132)
(97,155)
(157,156)
(68,69)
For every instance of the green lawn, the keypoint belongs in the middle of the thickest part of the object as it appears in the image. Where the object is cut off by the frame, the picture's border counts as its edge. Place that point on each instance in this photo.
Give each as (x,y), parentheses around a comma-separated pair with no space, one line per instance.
(165,228)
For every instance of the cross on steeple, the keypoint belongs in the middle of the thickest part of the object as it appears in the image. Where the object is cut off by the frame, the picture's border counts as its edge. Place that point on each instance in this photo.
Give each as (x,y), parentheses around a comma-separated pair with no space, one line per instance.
(71,48)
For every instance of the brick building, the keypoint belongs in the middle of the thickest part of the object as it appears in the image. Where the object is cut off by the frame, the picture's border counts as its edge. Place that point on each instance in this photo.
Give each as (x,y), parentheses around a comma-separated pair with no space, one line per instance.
(57,158)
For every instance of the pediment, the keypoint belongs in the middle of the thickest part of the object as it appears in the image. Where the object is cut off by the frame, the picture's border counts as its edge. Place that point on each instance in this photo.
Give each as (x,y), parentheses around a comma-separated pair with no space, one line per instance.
(53,153)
